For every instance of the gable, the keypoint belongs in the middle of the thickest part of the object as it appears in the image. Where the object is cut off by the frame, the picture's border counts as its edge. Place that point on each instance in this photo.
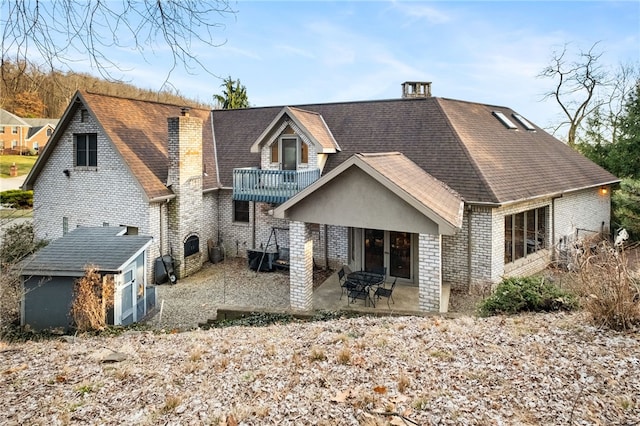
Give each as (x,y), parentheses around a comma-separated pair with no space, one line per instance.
(380,191)
(308,125)
(138,131)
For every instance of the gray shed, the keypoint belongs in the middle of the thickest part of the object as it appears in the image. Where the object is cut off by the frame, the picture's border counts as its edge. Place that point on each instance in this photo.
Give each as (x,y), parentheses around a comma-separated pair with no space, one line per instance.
(48,276)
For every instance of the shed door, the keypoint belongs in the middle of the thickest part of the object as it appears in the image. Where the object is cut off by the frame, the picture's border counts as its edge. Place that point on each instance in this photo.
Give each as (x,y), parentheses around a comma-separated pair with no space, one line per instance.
(128,296)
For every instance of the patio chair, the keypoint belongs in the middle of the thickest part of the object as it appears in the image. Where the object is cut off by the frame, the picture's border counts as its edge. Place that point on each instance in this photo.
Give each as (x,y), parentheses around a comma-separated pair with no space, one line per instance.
(345,283)
(386,292)
(361,292)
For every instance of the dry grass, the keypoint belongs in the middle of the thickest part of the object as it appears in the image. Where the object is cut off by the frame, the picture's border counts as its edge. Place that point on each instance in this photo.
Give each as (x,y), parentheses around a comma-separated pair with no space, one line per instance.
(93,296)
(606,286)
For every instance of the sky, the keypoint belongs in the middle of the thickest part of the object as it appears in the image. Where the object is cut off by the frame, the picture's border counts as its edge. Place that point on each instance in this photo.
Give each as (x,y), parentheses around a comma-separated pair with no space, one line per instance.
(299,52)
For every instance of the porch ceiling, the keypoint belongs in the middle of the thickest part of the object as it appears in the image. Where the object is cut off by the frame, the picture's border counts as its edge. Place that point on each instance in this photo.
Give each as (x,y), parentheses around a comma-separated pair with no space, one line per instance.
(364,192)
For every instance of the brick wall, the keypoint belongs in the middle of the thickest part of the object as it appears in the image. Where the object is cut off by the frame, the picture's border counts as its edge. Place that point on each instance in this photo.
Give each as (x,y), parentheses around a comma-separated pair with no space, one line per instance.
(106,194)
(185,179)
(429,278)
(301,269)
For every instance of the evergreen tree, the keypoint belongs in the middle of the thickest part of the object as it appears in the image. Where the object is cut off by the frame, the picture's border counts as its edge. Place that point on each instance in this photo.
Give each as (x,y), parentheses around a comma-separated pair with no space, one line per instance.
(234,95)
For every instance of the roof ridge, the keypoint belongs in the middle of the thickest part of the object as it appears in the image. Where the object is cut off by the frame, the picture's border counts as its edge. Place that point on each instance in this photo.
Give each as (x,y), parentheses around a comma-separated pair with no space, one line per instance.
(127,98)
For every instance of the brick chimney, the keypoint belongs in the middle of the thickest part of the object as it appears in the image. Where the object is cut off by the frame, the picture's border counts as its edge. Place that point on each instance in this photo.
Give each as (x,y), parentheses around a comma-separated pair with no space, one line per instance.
(416,89)
(185,180)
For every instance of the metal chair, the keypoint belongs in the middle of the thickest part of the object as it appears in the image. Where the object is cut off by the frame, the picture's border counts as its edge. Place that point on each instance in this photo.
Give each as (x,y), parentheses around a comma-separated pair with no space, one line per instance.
(346,285)
(386,292)
(361,292)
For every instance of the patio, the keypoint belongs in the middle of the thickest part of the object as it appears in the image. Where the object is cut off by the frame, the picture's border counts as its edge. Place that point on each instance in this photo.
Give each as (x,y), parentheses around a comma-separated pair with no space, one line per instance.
(232,285)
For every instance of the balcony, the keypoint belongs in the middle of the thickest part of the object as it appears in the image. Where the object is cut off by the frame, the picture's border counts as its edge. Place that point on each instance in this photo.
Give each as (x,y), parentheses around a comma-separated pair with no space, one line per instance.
(271,186)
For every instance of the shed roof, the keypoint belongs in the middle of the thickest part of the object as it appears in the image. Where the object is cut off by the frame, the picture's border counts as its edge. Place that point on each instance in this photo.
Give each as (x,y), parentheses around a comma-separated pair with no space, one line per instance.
(106,248)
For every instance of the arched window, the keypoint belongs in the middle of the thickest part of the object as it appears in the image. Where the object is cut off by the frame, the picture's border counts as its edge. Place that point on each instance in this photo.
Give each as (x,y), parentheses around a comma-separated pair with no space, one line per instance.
(191,245)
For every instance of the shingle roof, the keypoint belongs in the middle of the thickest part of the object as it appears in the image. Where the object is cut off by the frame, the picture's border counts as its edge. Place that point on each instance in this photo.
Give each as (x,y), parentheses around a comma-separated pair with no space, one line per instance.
(139,131)
(459,143)
(424,188)
(8,119)
(104,247)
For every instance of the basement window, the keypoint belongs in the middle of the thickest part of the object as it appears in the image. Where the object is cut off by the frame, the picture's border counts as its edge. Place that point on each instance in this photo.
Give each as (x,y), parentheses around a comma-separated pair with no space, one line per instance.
(503,118)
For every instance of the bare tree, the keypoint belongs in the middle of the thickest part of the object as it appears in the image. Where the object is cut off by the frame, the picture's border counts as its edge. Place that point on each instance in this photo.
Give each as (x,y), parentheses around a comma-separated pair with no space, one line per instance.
(576,87)
(68,31)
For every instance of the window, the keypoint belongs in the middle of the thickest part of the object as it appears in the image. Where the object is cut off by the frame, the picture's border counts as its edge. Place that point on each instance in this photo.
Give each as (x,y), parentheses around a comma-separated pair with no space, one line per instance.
(14,130)
(49,131)
(524,233)
(84,115)
(36,146)
(191,245)
(289,151)
(524,122)
(65,225)
(86,149)
(503,118)
(1,129)
(241,211)
(14,144)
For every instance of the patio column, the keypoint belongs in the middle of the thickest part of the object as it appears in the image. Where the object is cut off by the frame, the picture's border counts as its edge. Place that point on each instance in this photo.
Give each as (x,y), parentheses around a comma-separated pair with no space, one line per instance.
(300,266)
(430,272)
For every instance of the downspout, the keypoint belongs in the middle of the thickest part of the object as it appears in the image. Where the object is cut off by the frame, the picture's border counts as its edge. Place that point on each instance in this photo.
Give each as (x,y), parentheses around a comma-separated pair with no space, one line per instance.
(554,254)
(253,226)
(326,247)
(469,247)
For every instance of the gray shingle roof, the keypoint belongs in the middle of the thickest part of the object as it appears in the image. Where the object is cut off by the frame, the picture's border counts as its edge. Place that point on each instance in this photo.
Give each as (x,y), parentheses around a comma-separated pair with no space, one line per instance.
(460,143)
(104,247)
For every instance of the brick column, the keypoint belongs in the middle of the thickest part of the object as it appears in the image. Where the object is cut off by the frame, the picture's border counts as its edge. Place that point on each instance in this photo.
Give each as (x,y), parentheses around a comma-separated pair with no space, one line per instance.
(430,272)
(300,266)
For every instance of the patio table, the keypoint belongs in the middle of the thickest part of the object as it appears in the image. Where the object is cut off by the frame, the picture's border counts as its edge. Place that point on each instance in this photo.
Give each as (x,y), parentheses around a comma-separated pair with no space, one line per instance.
(364,280)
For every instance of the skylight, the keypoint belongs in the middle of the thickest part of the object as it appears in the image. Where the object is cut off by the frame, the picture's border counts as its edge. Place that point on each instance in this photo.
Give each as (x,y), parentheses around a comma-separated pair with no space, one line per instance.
(503,118)
(524,122)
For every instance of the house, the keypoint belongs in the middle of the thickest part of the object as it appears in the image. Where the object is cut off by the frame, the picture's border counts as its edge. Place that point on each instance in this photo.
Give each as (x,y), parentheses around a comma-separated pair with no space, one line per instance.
(48,276)
(446,194)
(22,135)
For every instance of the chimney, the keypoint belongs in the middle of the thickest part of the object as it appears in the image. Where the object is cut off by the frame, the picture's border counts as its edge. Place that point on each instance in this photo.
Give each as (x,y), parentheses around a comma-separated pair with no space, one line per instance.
(416,89)
(185,212)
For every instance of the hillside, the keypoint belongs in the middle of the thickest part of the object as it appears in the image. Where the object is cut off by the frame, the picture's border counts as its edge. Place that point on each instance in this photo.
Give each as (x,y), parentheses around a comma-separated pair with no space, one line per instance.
(527,370)
(27,91)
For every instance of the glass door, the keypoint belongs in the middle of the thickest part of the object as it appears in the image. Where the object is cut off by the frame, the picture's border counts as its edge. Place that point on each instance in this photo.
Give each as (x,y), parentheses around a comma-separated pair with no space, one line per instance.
(289,153)
(400,254)
(128,297)
(373,249)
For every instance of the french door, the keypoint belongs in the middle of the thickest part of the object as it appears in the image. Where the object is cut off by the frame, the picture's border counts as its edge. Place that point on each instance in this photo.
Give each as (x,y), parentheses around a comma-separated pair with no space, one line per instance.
(391,249)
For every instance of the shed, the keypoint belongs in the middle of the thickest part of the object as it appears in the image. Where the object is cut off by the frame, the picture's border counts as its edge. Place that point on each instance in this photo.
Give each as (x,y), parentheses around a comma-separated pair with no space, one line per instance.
(48,276)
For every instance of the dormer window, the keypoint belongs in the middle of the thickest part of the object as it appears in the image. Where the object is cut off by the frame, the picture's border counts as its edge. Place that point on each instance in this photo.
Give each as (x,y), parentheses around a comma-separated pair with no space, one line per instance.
(289,151)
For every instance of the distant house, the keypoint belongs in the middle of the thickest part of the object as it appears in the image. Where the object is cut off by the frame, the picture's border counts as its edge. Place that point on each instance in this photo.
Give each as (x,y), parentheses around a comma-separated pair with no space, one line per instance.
(445,194)
(20,135)
(49,276)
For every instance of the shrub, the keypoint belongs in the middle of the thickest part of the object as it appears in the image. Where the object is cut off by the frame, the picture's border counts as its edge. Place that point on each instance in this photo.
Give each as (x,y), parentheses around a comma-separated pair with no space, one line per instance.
(18,242)
(17,199)
(534,294)
(606,287)
(92,297)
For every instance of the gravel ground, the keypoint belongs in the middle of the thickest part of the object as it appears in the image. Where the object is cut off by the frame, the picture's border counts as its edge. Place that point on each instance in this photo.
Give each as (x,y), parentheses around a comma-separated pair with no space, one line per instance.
(195,299)
(542,369)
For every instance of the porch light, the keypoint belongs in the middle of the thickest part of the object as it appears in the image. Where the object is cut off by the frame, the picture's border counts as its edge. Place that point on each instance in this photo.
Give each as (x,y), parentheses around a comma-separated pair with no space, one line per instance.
(604,190)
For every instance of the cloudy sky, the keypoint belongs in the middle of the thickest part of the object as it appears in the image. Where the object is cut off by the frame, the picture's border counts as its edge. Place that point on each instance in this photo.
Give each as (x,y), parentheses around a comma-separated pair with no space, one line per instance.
(295,52)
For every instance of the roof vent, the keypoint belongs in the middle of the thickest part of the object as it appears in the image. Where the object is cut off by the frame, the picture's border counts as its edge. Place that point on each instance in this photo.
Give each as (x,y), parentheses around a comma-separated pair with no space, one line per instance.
(416,89)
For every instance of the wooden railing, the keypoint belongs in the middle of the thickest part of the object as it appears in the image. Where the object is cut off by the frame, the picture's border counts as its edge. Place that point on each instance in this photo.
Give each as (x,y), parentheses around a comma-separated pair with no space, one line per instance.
(271,186)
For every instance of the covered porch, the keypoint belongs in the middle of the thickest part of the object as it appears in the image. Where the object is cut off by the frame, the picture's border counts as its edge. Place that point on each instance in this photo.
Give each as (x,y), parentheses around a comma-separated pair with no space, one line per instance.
(385,192)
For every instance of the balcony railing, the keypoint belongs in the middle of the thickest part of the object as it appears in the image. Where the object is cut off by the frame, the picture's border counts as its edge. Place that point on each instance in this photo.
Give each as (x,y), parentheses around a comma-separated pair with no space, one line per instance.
(271,186)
